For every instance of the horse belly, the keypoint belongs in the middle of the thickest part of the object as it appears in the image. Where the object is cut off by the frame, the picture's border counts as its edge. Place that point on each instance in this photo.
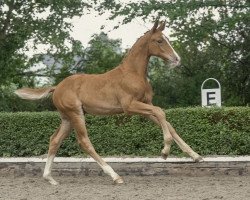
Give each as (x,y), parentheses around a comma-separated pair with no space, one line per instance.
(102,111)
(101,105)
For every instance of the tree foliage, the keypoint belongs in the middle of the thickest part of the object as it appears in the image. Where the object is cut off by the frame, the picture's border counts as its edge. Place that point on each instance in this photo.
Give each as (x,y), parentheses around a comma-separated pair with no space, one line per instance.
(212,38)
(101,54)
(26,24)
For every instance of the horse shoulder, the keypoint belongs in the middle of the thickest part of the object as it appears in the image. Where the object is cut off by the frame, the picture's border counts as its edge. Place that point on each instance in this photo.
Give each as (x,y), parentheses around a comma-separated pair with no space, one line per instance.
(139,88)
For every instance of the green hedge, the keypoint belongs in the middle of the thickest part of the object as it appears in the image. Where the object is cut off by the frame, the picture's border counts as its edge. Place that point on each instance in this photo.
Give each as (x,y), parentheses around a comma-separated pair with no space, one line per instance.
(224,131)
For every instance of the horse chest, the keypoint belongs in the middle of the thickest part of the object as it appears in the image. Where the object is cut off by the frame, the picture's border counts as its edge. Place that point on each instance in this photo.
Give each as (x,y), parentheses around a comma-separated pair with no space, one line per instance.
(141,90)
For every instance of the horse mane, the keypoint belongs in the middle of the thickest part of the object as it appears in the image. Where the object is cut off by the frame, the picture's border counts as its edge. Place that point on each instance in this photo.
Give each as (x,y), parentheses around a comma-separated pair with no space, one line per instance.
(134,45)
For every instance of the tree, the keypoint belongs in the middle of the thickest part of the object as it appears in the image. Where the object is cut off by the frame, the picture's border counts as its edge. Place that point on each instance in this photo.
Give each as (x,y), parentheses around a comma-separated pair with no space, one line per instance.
(26,24)
(212,38)
(103,54)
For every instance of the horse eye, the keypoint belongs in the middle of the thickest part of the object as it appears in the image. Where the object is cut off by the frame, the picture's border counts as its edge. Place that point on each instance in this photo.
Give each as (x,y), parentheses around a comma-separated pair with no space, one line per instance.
(159,41)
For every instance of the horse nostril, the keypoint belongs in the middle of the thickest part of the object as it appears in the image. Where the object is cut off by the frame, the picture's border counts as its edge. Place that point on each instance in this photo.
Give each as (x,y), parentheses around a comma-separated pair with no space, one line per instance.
(175,59)
(178,61)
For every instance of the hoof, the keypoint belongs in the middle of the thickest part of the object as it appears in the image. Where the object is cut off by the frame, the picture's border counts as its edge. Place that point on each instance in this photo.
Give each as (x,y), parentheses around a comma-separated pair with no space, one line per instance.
(198,159)
(164,155)
(51,180)
(118,181)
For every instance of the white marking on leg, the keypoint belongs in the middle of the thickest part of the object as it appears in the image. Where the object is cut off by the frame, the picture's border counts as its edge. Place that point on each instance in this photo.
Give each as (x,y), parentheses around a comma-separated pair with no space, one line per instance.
(167,141)
(47,170)
(108,170)
(161,119)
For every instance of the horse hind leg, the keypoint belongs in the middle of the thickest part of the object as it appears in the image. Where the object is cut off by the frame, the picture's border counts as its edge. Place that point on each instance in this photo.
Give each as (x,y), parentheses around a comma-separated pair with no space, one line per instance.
(55,141)
(78,123)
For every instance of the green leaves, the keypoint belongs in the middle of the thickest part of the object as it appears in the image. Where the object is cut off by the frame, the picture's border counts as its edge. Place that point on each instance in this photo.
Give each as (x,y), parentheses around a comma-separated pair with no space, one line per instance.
(103,54)
(44,22)
(209,131)
(212,39)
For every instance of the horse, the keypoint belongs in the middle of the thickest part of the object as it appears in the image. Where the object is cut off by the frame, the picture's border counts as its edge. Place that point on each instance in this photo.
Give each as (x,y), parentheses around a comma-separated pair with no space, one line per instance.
(124,89)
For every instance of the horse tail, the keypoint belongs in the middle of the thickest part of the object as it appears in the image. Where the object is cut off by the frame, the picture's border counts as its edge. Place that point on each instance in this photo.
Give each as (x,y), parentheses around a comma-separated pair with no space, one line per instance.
(34,94)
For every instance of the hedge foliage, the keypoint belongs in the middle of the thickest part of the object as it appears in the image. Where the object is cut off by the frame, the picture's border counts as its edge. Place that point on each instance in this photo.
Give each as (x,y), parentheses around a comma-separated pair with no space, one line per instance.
(209,131)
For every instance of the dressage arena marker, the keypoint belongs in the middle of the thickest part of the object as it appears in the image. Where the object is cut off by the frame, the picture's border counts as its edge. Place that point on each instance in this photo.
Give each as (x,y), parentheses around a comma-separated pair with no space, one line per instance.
(212,96)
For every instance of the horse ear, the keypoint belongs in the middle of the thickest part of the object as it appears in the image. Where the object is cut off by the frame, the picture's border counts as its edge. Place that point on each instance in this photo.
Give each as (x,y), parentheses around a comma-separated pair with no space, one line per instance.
(155,26)
(162,26)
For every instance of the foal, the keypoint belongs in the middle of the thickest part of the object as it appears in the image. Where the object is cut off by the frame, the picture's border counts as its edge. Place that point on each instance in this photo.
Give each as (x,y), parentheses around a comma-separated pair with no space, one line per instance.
(125,89)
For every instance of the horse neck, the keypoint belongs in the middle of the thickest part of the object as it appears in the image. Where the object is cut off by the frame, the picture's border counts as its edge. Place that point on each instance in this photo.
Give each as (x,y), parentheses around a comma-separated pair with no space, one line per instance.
(138,57)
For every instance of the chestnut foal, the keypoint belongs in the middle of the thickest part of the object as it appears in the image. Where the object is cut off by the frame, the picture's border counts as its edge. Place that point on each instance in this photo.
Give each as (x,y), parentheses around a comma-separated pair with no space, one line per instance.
(125,89)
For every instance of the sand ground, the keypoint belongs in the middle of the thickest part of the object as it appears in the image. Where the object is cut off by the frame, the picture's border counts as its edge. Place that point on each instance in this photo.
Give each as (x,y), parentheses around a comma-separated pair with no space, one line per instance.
(134,188)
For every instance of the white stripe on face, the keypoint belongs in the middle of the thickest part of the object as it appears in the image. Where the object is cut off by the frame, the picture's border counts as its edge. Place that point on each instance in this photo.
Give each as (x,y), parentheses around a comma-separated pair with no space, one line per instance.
(175,54)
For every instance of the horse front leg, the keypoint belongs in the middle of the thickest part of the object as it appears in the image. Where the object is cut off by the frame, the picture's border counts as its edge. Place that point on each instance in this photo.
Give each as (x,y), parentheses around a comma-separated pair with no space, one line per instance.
(179,141)
(158,116)
(183,145)
(167,139)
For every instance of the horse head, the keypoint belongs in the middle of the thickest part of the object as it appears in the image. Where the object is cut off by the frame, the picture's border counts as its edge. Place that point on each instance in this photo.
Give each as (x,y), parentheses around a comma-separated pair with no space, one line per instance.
(159,45)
